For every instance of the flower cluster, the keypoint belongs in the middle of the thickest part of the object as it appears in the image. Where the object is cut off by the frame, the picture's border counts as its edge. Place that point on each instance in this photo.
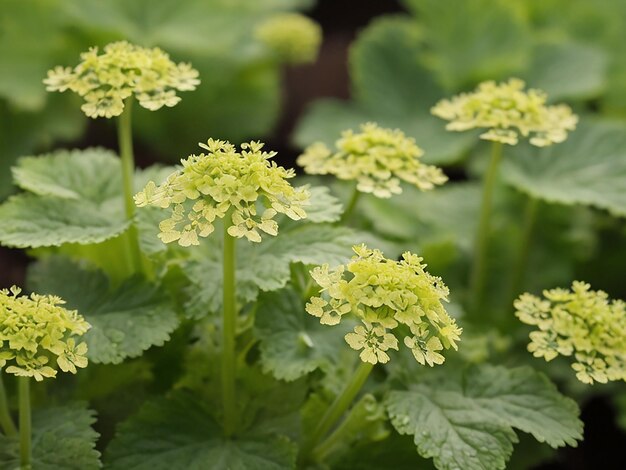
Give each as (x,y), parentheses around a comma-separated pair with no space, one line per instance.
(507,111)
(122,70)
(292,37)
(377,158)
(578,322)
(36,331)
(225,183)
(386,295)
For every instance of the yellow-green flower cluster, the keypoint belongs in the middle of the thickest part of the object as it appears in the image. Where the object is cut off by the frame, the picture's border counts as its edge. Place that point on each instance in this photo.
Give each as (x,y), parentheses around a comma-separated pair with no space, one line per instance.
(507,111)
(387,296)
(578,322)
(225,183)
(292,37)
(123,70)
(376,158)
(36,332)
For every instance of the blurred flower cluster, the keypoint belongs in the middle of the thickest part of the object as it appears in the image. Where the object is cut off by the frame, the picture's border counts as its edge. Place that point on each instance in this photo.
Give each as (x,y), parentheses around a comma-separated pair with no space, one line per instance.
(293,38)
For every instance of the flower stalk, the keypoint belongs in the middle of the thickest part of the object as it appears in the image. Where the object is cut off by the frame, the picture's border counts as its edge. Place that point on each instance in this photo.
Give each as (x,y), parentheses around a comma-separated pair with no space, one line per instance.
(25,423)
(125,140)
(478,272)
(350,206)
(229,331)
(519,270)
(337,408)
(8,426)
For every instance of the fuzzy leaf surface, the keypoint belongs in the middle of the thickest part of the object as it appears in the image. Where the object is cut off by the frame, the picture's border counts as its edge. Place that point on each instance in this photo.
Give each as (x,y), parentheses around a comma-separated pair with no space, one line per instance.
(125,320)
(62,439)
(468,421)
(179,432)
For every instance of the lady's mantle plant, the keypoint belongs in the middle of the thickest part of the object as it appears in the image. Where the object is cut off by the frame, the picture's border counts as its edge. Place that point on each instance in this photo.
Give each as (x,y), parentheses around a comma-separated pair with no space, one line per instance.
(293,38)
(377,158)
(108,82)
(579,322)
(36,335)
(384,295)
(234,186)
(505,112)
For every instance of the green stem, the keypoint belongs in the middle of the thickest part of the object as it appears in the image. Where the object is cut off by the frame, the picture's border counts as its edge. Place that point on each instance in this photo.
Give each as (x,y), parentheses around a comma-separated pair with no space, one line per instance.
(8,426)
(25,422)
(125,141)
(337,409)
(228,334)
(356,194)
(530,215)
(477,279)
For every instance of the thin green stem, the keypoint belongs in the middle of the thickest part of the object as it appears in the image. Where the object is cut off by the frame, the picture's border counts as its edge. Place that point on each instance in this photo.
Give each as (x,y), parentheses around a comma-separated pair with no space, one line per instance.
(125,141)
(25,422)
(530,216)
(478,273)
(228,334)
(356,194)
(337,409)
(8,426)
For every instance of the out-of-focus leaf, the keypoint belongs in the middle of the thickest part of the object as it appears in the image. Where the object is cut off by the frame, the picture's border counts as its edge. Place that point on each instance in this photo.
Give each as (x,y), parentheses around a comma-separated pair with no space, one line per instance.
(473,40)
(589,168)
(567,70)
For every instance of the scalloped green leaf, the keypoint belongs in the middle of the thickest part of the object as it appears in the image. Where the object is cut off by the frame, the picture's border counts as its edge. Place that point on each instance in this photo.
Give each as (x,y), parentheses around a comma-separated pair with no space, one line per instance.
(126,320)
(30,221)
(62,439)
(263,266)
(589,168)
(179,432)
(324,206)
(91,174)
(467,421)
(293,343)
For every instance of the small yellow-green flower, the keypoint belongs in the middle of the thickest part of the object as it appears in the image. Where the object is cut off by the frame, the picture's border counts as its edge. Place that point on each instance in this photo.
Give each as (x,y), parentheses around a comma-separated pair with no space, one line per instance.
(578,322)
(121,71)
(385,294)
(506,111)
(292,37)
(36,332)
(245,187)
(378,159)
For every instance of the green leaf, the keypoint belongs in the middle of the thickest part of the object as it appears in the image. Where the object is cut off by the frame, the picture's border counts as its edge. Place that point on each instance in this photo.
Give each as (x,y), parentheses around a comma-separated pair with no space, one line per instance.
(62,439)
(293,343)
(30,221)
(468,421)
(126,320)
(567,70)
(473,40)
(589,168)
(179,432)
(91,174)
(386,71)
(263,266)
